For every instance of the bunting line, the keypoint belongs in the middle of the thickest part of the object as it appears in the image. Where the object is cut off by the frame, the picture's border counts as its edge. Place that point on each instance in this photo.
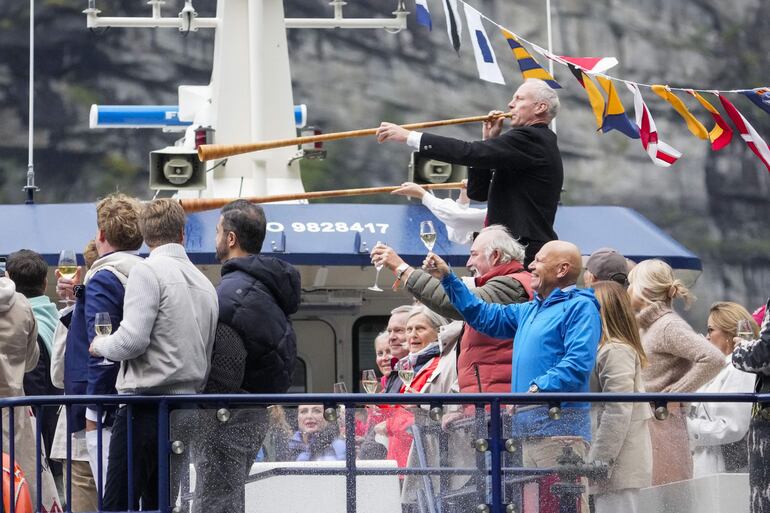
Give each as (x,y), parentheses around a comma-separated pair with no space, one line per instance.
(595,97)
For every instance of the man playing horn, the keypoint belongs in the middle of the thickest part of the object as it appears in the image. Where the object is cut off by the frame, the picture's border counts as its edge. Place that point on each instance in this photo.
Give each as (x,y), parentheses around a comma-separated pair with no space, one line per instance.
(519,172)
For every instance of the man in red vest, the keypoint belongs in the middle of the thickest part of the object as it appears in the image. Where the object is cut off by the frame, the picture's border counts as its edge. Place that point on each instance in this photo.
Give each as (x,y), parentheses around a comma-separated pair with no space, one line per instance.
(483,363)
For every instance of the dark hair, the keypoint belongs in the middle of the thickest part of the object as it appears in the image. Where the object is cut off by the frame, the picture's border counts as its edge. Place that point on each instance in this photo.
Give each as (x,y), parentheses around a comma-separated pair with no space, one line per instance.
(247,221)
(28,271)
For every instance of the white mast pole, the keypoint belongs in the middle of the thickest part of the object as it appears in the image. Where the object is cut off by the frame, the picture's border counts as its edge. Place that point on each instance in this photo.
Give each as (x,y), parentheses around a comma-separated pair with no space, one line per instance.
(30,187)
(550,48)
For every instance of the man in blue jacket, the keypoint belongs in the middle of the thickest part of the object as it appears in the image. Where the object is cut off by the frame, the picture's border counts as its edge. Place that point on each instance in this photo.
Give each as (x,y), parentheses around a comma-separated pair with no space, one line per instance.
(256,296)
(117,240)
(555,338)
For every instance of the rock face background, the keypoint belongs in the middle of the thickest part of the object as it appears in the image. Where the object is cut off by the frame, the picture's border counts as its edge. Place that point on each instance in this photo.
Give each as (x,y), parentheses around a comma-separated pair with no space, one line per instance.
(717,204)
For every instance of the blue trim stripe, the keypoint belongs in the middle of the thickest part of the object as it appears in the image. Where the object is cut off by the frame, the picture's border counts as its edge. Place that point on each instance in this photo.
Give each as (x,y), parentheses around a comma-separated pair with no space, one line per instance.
(513,43)
(486,52)
(528,64)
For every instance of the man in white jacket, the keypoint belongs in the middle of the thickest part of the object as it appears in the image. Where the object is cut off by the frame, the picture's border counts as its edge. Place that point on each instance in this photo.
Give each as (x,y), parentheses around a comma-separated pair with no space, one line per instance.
(164,343)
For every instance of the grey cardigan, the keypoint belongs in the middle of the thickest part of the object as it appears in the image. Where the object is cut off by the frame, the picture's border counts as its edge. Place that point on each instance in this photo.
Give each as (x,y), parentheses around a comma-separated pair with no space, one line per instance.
(166,336)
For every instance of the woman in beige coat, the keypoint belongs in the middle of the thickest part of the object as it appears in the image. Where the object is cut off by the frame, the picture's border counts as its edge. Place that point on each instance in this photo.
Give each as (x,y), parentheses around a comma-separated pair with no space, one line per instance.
(20,352)
(619,431)
(680,360)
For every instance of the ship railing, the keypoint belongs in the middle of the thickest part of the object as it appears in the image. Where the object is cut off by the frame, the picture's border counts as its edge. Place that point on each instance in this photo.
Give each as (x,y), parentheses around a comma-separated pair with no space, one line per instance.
(489,424)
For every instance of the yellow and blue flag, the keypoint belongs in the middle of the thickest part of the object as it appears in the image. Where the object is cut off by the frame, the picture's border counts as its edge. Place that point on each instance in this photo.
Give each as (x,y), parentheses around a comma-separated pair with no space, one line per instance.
(615,117)
(527,64)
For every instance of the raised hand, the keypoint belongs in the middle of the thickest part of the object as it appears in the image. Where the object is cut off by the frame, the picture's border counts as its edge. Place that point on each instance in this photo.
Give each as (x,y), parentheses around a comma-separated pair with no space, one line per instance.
(391,132)
(493,126)
(435,266)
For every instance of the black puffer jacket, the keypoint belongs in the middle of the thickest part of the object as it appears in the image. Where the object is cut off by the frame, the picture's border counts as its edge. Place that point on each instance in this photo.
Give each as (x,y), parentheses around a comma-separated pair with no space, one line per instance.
(256,296)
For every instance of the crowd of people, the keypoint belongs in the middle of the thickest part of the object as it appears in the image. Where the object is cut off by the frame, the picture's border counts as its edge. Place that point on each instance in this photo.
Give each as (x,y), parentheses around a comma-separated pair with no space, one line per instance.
(531,319)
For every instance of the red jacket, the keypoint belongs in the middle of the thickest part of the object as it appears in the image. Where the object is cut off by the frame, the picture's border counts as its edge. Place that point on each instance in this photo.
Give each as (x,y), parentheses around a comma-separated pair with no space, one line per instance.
(492,356)
(400,419)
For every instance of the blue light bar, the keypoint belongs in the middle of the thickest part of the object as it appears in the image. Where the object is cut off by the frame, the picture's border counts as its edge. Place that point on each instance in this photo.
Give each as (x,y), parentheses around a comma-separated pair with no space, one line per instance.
(136,116)
(155,116)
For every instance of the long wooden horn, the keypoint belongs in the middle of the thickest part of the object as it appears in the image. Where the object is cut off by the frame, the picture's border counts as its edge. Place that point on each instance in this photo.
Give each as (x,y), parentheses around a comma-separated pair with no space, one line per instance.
(218,151)
(192,205)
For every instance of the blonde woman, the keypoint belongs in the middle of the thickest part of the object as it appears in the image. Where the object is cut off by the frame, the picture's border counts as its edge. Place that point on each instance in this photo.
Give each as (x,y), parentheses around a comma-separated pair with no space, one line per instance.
(620,433)
(718,430)
(679,359)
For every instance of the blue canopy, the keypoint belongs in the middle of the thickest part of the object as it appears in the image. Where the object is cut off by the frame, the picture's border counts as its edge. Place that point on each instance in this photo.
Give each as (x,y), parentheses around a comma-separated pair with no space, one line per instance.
(341,234)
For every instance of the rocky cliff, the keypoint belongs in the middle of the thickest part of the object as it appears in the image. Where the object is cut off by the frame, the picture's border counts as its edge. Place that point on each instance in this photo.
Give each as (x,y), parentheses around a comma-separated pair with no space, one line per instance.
(715,203)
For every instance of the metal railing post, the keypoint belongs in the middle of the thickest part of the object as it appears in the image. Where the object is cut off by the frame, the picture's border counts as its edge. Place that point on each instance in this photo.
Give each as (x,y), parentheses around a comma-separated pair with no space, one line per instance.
(38,462)
(12,456)
(496,448)
(350,459)
(163,456)
(130,453)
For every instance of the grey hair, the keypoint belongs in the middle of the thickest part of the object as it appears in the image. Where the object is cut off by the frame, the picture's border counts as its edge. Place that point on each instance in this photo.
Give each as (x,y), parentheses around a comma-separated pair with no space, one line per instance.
(435,319)
(502,241)
(401,309)
(544,93)
(382,334)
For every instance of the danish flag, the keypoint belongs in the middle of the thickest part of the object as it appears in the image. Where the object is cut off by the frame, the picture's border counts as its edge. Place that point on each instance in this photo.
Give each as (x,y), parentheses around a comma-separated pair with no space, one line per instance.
(662,154)
(752,138)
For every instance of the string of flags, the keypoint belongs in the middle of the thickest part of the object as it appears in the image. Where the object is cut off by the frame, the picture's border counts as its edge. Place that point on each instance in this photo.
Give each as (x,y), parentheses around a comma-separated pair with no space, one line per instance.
(603,97)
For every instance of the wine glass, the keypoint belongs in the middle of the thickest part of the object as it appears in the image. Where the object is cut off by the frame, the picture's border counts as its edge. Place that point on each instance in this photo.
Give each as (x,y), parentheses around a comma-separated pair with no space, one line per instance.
(103,328)
(406,373)
(369,381)
(428,234)
(744,330)
(376,287)
(68,267)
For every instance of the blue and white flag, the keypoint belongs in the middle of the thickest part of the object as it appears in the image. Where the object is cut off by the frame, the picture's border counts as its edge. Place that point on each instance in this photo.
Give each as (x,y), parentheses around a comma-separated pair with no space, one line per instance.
(423,13)
(454,25)
(486,62)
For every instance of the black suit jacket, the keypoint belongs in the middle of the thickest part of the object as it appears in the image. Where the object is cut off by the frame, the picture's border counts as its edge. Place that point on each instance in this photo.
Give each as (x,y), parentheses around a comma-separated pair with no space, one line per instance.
(519,173)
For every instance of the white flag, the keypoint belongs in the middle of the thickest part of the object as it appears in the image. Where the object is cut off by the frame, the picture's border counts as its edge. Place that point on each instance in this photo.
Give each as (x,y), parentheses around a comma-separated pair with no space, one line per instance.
(486,62)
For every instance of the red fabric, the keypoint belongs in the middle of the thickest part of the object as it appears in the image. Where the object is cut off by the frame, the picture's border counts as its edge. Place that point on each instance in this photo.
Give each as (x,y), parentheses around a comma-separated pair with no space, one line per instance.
(493,356)
(399,418)
(759,314)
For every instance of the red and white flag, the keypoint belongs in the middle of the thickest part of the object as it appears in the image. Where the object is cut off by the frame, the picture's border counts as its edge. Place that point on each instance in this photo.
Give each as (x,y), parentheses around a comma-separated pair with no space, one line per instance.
(662,154)
(590,64)
(752,138)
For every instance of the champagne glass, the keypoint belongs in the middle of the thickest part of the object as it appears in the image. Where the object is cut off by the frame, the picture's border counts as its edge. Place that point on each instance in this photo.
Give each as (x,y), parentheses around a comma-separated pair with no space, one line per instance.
(341,388)
(103,328)
(68,267)
(428,234)
(376,287)
(744,330)
(369,381)
(406,373)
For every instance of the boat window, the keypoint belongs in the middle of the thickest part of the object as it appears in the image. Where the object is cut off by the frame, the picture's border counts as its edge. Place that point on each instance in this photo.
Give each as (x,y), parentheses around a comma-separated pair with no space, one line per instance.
(365,329)
(299,383)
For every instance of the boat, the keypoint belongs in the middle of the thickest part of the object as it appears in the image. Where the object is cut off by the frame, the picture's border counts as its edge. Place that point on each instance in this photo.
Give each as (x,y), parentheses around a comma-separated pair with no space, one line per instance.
(328,242)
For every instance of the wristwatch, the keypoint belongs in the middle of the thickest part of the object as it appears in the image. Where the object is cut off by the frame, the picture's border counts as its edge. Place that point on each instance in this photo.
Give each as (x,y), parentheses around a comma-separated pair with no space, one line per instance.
(533,389)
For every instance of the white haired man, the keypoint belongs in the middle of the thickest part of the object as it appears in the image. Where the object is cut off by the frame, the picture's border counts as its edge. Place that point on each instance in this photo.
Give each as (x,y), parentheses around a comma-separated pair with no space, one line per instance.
(519,172)
(484,363)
